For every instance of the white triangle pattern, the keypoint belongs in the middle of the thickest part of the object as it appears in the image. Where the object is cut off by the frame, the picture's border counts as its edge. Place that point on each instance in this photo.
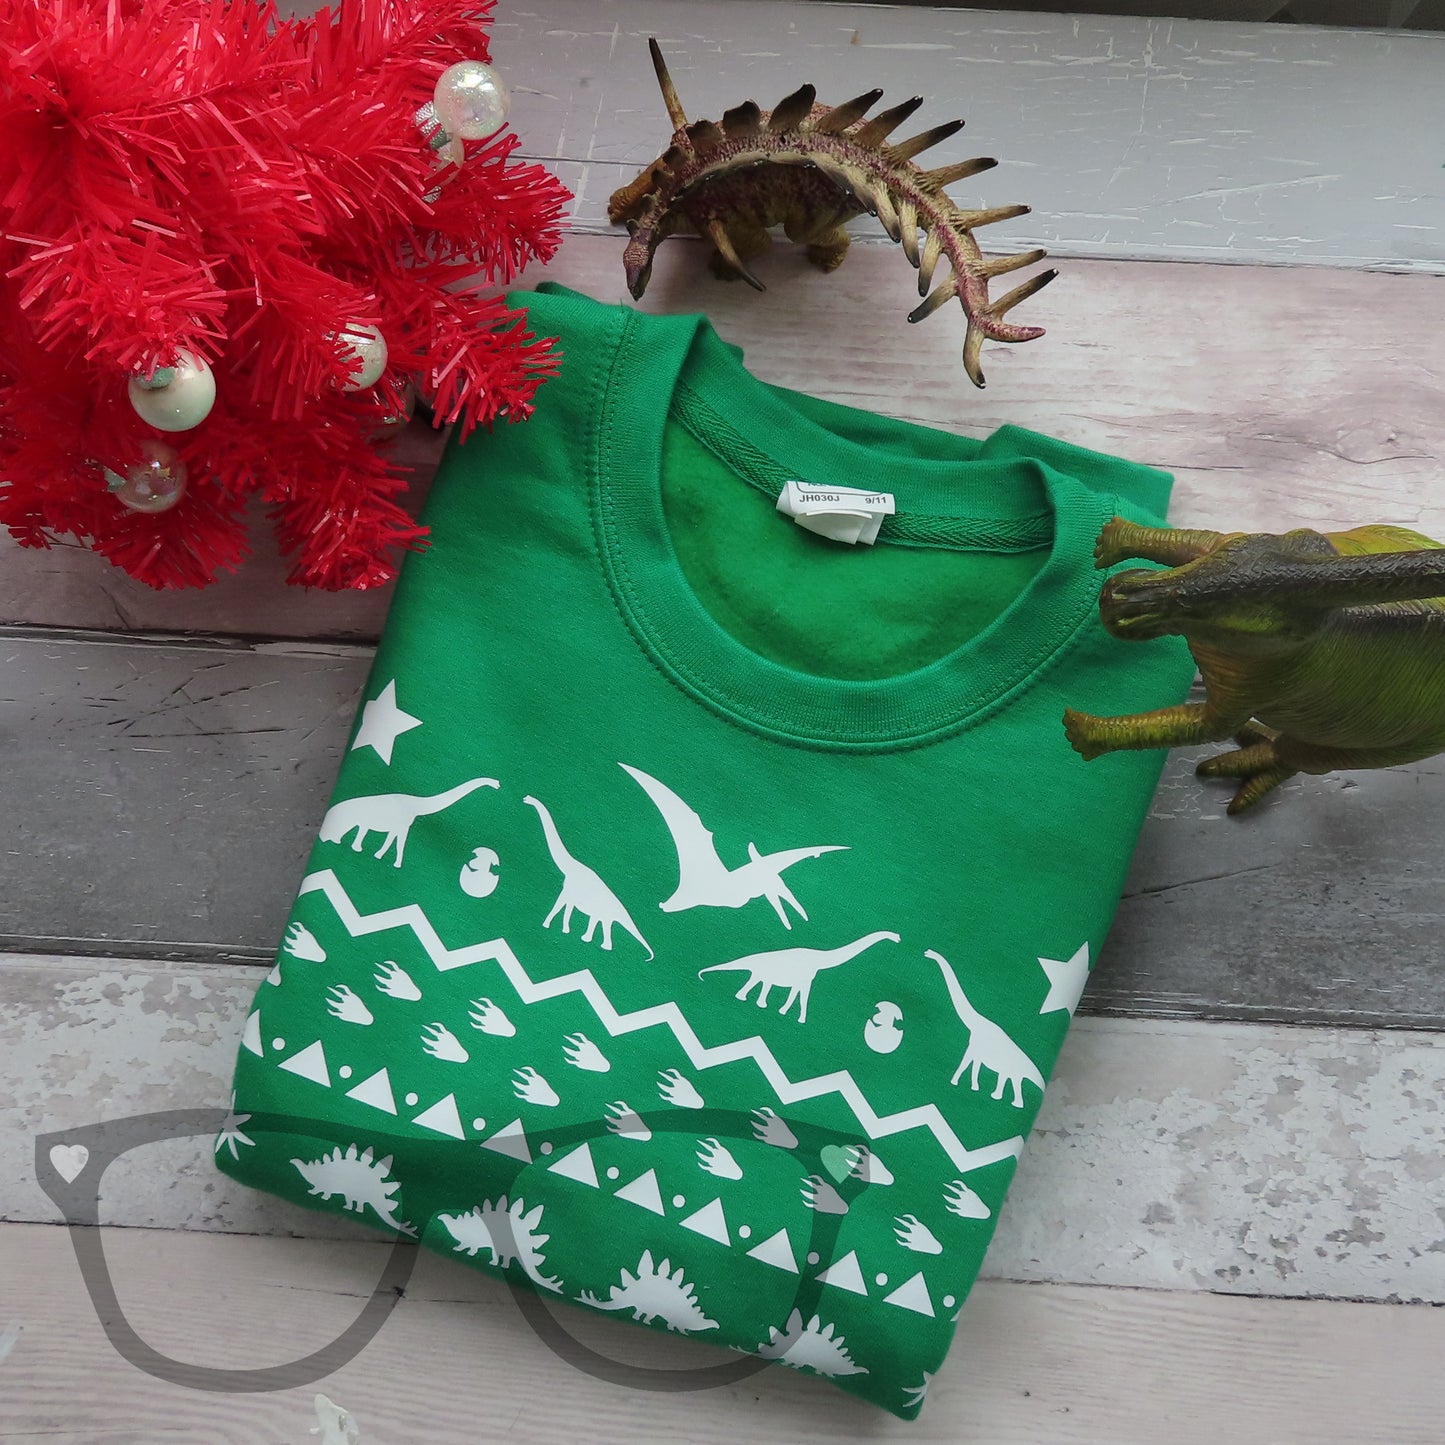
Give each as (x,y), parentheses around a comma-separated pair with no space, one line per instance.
(310,1063)
(443,1118)
(511,1140)
(644,1191)
(577,1165)
(376,1091)
(846,1274)
(776,1250)
(251,1035)
(912,1294)
(709,1221)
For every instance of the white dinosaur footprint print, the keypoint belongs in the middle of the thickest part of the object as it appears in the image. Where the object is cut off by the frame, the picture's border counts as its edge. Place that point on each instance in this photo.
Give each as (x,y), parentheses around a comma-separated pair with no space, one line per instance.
(395,982)
(489,1018)
(582,1053)
(623,1120)
(677,1090)
(916,1394)
(867,1166)
(301,943)
(989,1047)
(819,1194)
(913,1234)
(528,1084)
(391,815)
(341,1003)
(962,1201)
(441,1043)
(714,1157)
(769,1129)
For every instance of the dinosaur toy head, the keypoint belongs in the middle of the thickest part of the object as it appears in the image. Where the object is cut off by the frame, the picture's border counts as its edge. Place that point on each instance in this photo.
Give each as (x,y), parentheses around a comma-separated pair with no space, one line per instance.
(812,168)
(1317,650)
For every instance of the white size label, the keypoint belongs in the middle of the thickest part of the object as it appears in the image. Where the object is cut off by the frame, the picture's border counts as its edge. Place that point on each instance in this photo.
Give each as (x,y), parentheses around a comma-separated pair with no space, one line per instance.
(845,514)
(805,497)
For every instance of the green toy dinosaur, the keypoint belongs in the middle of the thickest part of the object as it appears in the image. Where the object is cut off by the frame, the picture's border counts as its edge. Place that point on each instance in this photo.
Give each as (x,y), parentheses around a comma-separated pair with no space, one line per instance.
(1318,650)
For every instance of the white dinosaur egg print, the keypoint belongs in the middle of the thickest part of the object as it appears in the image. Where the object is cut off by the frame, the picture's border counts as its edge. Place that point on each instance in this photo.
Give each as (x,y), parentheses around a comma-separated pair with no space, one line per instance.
(881,1033)
(479,874)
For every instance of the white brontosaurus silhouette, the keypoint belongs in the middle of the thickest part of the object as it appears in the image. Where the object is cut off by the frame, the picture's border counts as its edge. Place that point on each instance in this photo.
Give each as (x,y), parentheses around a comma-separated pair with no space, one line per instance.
(583,888)
(988,1046)
(703,880)
(793,969)
(391,814)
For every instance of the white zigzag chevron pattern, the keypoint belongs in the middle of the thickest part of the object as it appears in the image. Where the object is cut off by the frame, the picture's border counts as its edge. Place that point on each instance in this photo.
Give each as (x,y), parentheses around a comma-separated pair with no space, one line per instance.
(926,1116)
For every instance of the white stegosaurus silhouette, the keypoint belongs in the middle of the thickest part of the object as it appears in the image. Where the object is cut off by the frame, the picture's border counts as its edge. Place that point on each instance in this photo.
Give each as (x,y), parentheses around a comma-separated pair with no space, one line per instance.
(652,1293)
(813,1346)
(359,1178)
(508,1232)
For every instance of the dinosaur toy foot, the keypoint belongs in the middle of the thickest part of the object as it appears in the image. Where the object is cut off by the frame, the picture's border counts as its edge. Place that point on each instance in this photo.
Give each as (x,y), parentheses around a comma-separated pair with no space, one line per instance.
(1255,762)
(1122,539)
(1085,734)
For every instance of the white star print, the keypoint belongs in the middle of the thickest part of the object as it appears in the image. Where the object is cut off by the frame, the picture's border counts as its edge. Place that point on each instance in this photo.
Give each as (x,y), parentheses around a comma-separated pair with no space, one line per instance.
(1067,978)
(382,722)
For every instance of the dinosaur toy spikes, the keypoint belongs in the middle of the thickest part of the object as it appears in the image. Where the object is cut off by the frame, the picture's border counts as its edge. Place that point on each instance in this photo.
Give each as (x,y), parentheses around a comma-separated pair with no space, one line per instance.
(812,168)
(669,91)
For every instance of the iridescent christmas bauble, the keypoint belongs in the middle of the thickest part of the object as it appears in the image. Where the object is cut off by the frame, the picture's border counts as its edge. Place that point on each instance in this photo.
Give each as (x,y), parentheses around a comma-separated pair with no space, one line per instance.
(396,421)
(153,484)
(175,398)
(471,100)
(368,349)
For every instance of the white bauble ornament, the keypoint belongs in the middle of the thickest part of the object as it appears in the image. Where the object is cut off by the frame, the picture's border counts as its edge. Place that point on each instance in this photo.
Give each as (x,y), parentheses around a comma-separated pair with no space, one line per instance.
(153,484)
(175,398)
(368,349)
(471,101)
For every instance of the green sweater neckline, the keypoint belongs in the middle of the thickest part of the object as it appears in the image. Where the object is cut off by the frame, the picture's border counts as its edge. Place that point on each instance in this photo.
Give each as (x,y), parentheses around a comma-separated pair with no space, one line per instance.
(952,491)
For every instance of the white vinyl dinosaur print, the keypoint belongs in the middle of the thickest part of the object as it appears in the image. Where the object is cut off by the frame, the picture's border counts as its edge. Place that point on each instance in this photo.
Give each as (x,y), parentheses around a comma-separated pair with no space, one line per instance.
(359,1178)
(507,1232)
(583,888)
(703,879)
(793,969)
(654,1293)
(988,1046)
(391,814)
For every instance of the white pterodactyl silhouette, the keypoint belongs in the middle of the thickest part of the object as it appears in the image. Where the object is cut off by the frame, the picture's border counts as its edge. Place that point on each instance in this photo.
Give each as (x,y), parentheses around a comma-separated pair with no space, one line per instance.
(704,881)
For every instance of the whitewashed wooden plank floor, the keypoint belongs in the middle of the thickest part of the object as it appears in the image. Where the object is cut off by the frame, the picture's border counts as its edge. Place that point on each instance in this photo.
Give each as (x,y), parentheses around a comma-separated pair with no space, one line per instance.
(1185,1157)
(1161,139)
(456,1365)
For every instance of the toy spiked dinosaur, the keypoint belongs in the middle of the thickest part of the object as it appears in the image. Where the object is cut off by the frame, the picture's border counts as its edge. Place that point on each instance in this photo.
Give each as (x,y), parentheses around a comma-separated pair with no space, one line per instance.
(1318,650)
(811,169)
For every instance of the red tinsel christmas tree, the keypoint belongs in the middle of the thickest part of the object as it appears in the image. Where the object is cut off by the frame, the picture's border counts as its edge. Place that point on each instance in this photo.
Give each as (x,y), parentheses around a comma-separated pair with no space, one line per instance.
(207,177)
